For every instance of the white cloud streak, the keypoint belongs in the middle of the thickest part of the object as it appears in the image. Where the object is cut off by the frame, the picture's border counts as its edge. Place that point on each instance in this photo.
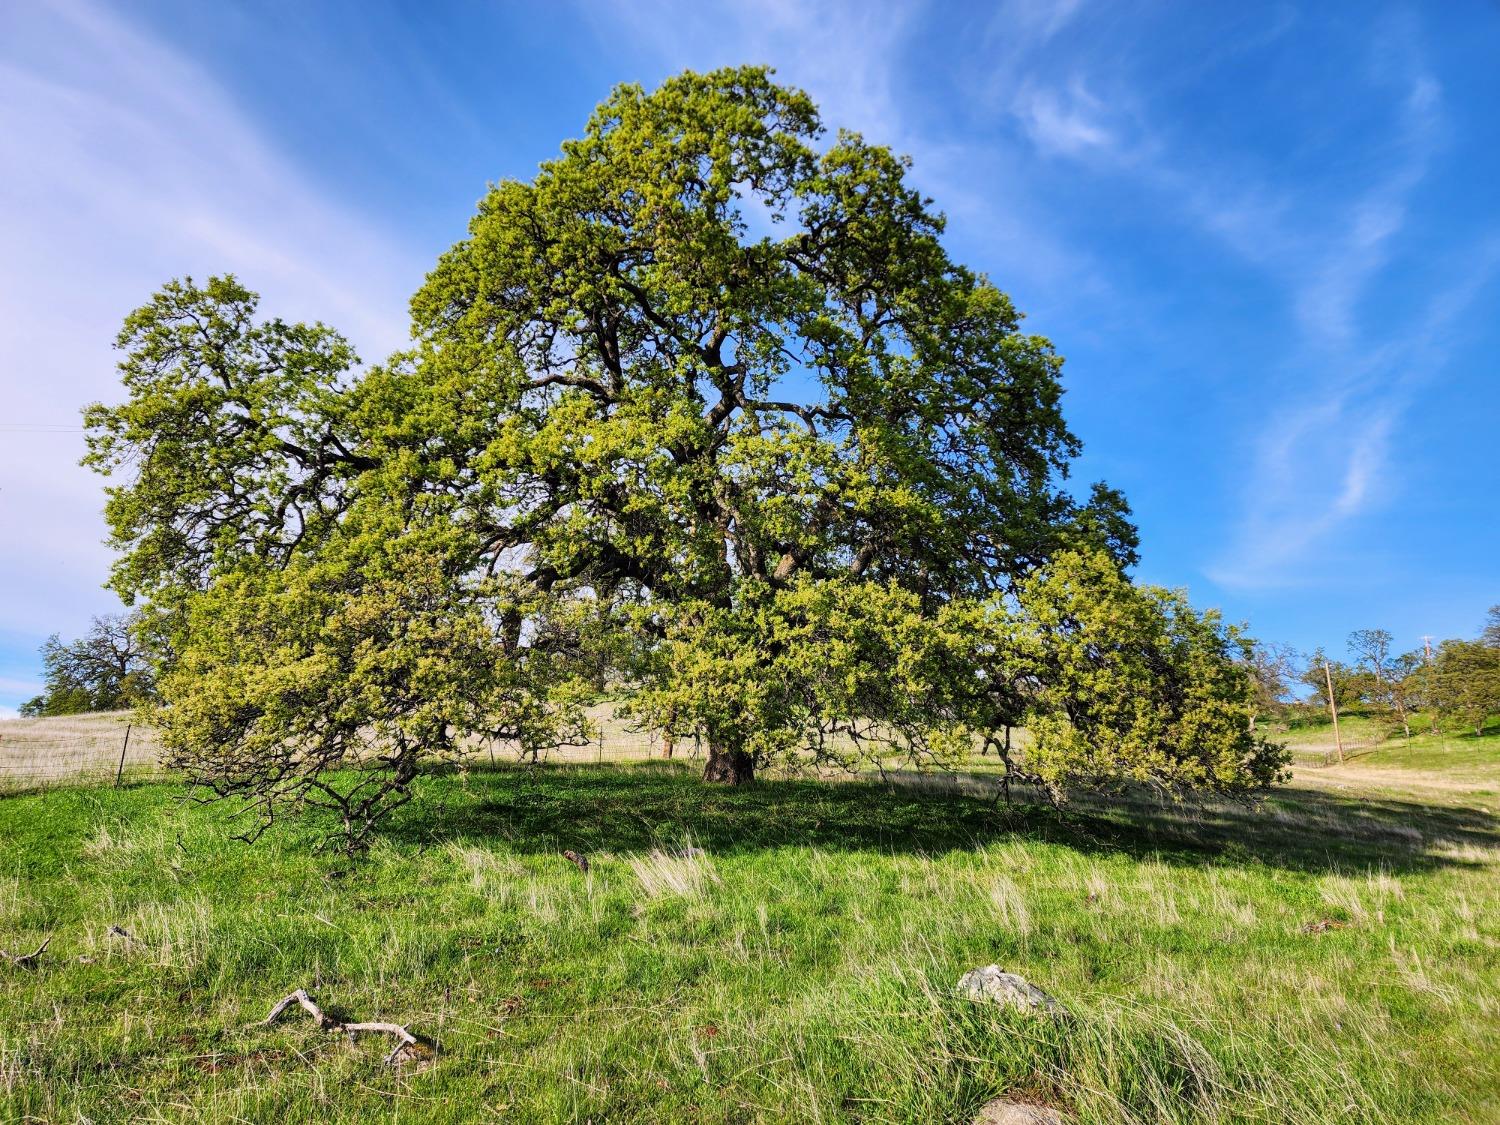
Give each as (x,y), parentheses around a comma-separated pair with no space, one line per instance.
(1326,452)
(126,164)
(1064,122)
(1327,458)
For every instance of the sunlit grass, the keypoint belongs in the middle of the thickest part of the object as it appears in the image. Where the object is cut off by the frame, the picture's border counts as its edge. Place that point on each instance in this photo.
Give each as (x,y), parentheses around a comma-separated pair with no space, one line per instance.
(782,953)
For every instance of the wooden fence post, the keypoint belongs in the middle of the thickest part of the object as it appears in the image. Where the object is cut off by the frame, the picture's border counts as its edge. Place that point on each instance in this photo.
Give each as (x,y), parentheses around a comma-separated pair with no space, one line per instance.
(119,773)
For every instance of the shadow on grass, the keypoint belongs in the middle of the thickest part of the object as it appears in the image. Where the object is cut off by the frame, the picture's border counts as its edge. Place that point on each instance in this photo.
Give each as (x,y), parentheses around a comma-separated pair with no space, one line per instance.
(633,808)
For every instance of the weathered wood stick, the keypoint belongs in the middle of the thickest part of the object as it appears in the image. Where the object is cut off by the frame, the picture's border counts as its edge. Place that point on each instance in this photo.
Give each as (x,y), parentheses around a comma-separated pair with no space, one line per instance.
(302,998)
(21,960)
(328,1023)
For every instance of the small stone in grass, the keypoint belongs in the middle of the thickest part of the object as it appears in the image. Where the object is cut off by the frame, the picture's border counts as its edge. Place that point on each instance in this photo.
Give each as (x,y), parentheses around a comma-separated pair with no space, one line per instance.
(1323,925)
(993,985)
(1002,1112)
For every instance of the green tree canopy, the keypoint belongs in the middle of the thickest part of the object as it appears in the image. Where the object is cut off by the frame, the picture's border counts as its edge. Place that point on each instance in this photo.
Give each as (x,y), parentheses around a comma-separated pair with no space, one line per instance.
(1466,681)
(1350,684)
(705,413)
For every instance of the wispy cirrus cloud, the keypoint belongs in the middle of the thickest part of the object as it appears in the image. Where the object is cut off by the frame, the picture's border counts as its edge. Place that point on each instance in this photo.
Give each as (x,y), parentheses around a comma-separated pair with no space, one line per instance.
(1066,121)
(1330,414)
(128,164)
(1360,244)
(1327,456)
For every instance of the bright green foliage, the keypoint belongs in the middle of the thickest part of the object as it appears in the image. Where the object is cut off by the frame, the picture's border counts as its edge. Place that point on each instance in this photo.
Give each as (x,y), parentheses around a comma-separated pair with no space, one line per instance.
(234,431)
(703,412)
(1133,685)
(105,670)
(368,659)
(1466,682)
(819,671)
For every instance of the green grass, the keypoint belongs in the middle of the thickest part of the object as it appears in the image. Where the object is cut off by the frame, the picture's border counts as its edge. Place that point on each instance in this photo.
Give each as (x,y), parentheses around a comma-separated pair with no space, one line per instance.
(802,969)
(1377,739)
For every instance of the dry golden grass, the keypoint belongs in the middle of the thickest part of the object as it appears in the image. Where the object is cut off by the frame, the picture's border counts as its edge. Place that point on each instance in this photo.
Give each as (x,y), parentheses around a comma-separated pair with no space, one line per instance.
(36,753)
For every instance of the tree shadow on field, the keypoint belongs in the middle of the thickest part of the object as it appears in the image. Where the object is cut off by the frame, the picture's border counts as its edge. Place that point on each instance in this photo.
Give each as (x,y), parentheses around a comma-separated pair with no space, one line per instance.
(634,808)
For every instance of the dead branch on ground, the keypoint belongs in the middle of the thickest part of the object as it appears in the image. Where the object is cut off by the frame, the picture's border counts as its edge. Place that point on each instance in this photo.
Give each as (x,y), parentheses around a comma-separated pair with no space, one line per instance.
(407,1042)
(26,960)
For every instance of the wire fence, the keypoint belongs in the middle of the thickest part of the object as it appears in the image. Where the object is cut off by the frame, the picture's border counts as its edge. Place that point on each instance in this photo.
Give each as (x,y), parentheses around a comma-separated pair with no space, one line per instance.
(109,748)
(1320,757)
(76,750)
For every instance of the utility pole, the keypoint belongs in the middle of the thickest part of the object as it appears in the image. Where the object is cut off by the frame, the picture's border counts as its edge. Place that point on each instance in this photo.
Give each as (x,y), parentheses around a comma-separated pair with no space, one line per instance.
(1431,703)
(1334,709)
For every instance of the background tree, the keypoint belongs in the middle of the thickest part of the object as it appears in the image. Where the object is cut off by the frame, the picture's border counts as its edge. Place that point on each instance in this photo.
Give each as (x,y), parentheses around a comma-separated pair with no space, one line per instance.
(1389,684)
(1273,667)
(746,474)
(1349,683)
(1466,681)
(1407,686)
(106,669)
(1491,633)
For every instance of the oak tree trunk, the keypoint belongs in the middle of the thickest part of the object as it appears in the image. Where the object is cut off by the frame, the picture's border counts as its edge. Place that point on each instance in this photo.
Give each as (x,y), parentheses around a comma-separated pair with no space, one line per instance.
(728,765)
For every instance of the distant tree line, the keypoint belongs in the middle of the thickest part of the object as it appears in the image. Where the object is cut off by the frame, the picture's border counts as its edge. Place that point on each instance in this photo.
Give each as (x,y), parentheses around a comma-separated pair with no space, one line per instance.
(1455,682)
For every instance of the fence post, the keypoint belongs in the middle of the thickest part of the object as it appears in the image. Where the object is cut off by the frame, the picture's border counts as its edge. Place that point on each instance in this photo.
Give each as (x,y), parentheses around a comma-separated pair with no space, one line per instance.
(119,773)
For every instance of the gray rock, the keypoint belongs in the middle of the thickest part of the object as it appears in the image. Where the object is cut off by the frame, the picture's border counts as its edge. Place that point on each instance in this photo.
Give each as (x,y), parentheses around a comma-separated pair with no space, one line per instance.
(993,985)
(1002,1112)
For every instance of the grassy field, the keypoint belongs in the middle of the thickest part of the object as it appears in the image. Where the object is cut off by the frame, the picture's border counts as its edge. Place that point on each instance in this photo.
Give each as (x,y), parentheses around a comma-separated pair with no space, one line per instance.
(1332,957)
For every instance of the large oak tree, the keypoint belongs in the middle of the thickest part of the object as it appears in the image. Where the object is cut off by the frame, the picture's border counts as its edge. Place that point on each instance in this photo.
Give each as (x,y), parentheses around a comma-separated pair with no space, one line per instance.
(705,415)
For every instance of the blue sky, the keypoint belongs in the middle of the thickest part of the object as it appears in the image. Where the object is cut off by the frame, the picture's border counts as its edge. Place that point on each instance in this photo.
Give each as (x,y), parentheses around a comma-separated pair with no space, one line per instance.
(1265,236)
